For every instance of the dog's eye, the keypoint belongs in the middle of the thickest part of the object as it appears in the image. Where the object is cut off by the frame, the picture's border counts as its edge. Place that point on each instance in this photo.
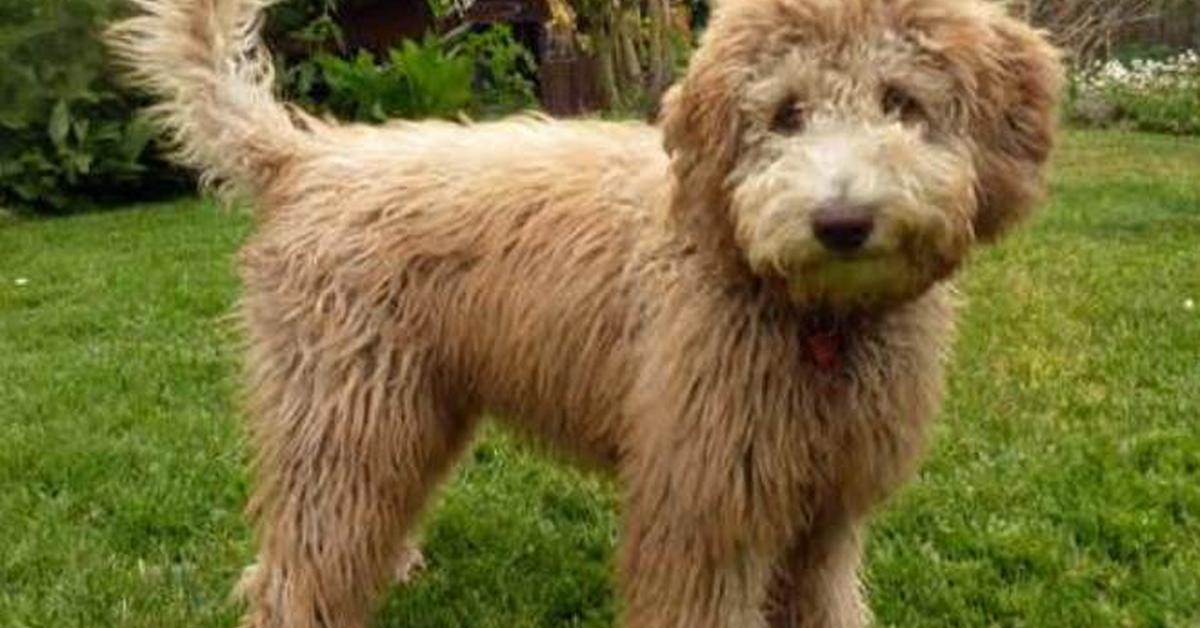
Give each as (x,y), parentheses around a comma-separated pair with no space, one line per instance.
(790,118)
(900,104)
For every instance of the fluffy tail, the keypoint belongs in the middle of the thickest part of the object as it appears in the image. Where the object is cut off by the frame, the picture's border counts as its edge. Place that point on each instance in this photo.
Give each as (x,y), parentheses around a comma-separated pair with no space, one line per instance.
(204,61)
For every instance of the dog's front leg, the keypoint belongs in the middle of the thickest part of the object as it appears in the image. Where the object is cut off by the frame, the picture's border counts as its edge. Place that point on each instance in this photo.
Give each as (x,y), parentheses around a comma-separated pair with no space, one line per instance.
(674,573)
(692,554)
(816,584)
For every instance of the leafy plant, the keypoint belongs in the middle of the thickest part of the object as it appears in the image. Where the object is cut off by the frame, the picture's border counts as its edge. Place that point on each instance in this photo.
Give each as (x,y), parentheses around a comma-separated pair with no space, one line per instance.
(418,80)
(503,67)
(316,70)
(296,32)
(68,137)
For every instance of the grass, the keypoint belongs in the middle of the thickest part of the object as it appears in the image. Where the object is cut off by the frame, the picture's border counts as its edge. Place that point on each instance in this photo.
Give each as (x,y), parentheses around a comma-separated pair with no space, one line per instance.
(1063,489)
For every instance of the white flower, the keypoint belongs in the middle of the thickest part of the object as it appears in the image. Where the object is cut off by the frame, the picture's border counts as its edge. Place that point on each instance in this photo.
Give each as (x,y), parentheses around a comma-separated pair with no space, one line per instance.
(1189,305)
(21,281)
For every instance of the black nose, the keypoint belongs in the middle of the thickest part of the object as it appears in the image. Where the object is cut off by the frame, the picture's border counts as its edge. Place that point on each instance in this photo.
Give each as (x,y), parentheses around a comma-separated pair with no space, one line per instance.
(842,227)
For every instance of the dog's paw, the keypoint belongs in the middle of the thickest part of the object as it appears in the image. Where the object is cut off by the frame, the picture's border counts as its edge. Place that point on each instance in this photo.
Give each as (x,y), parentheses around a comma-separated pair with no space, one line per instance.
(241,591)
(409,565)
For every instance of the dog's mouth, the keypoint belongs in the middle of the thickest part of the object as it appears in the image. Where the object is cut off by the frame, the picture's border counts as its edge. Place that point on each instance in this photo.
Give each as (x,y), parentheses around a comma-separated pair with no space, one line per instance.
(849,258)
(862,279)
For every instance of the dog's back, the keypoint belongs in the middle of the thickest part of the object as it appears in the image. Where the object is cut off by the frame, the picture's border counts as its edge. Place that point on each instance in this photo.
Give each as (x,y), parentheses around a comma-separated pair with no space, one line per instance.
(495,247)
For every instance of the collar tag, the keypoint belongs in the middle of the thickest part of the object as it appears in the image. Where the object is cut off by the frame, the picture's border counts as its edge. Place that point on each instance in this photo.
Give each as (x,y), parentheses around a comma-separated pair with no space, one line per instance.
(825,348)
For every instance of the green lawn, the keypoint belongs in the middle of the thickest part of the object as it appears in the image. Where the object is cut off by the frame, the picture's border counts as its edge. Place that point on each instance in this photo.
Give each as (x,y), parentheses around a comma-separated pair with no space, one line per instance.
(1064,487)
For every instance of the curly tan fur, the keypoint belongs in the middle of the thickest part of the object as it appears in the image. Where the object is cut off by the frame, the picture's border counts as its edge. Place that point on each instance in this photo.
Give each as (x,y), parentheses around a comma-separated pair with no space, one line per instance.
(668,314)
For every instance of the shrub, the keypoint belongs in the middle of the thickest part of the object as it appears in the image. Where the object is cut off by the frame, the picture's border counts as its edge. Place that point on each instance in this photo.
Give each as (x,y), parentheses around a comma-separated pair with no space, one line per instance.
(482,72)
(417,81)
(502,69)
(1147,94)
(68,137)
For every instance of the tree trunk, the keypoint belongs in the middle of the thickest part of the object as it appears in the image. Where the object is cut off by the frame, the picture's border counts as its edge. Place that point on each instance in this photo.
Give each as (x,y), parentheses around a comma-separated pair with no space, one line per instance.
(631,63)
(634,64)
(660,57)
(606,74)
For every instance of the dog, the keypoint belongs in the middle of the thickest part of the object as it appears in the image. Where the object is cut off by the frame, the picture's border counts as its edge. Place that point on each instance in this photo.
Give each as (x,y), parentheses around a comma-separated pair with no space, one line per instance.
(743,311)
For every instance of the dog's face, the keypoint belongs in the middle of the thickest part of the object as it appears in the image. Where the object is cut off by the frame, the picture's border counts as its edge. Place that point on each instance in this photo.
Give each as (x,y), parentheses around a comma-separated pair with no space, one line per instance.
(857,148)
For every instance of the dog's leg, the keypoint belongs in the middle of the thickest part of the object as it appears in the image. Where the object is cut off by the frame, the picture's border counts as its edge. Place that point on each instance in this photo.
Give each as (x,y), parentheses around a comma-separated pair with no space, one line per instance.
(670,577)
(816,584)
(348,454)
(681,563)
(410,564)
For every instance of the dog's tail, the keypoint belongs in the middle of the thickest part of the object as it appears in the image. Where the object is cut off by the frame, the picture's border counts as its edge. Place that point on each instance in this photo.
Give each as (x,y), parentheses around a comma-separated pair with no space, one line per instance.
(204,62)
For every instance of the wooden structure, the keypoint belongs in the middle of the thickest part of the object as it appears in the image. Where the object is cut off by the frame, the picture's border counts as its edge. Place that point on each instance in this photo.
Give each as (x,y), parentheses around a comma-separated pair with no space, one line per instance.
(566,75)
(1176,26)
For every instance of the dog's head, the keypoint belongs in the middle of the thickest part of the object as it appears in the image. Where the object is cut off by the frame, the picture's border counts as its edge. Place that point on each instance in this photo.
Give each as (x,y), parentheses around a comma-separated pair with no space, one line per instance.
(858,148)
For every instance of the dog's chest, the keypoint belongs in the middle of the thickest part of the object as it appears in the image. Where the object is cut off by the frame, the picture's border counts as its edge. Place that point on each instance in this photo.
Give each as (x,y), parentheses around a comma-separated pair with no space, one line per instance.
(743,396)
(862,408)
(862,440)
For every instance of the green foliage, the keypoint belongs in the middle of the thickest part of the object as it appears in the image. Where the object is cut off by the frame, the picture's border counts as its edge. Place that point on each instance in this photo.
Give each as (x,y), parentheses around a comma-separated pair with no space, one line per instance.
(1177,112)
(70,137)
(66,132)
(441,8)
(426,78)
(418,80)
(1160,95)
(296,31)
(502,69)
(481,72)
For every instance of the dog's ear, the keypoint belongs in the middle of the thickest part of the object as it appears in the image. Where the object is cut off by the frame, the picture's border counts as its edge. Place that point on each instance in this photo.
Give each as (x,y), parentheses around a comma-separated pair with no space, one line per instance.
(699,118)
(1019,82)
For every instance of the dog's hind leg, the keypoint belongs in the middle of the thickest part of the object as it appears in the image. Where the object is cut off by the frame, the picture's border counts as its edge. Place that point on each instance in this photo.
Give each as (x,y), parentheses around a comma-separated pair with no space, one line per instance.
(351,443)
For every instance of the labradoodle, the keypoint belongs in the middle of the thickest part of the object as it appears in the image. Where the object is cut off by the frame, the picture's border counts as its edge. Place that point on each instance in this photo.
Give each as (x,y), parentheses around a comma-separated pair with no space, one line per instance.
(743,311)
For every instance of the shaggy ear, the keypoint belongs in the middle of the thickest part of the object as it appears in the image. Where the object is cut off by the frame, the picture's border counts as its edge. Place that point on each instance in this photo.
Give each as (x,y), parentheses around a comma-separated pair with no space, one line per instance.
(1016,125)
(699,118)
